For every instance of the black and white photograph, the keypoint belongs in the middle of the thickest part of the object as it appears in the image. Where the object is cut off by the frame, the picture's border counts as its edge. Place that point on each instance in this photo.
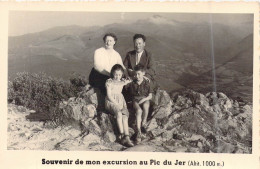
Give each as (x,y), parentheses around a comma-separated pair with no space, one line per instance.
(130,81)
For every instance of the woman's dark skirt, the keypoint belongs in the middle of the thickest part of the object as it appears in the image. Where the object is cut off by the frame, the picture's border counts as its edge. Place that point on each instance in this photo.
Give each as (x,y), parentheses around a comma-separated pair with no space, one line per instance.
(98,80)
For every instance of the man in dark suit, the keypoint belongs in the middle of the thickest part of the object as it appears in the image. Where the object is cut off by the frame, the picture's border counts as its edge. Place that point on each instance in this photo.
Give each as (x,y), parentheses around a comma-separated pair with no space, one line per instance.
(139,56)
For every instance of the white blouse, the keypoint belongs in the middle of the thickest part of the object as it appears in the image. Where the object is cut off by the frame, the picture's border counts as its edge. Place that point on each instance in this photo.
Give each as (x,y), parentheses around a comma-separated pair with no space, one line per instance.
(104,60)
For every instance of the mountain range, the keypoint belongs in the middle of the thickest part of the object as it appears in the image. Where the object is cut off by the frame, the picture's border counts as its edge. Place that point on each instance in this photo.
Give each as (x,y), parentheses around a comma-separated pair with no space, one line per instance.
(182,53)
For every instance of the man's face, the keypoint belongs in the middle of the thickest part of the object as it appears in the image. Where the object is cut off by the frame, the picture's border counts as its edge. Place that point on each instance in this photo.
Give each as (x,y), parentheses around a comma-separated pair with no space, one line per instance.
(139,75)
(139,45)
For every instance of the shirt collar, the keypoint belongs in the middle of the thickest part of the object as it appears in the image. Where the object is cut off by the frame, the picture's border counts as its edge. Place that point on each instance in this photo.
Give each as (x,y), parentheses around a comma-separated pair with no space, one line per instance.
(140,54)
(135,81)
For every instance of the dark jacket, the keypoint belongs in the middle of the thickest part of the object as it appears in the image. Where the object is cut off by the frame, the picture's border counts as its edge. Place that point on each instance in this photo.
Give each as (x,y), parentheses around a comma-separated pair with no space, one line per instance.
(145,60)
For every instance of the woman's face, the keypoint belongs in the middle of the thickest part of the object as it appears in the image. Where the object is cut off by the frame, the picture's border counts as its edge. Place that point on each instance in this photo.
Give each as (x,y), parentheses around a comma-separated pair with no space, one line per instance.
(109,42)
(118,75)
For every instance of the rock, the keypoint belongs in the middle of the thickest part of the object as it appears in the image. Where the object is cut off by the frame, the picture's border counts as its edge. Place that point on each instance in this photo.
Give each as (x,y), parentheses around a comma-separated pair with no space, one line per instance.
(194,150)
(90,95)
(195,137)
(109,137)
(223,147)
(92,127)
(176,116)
(21,109)
(107,122)
(200,145)
(196,98)
(12,127)
(212,97)
(68,144)
(31,111)
(108,127)
(77,109)
(162,112)
(91,138)
(182,103)
(186,122)
(168,135)
(131,132)
(162,98)
(157,132)
(90,109)
(163,105)
(152,124)
(180,149)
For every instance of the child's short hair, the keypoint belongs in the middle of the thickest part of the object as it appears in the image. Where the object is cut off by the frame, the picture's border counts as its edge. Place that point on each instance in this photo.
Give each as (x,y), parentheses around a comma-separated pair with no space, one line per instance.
(139,67)
(114,68)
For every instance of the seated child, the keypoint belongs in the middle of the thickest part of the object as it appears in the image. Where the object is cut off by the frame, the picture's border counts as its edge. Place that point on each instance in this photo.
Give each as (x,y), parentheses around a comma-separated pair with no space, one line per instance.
(115,102)
(141,94)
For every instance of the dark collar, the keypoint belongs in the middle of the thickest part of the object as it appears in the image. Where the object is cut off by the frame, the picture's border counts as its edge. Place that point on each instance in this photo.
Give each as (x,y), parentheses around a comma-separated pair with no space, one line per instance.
(135,82)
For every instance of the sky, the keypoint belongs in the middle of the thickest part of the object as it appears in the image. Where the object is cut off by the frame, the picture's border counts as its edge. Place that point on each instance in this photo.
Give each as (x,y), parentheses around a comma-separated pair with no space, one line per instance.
(24,22)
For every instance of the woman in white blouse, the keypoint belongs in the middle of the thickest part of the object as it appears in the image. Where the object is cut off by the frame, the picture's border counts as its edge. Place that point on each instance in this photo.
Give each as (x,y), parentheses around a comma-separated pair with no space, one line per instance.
(104,59)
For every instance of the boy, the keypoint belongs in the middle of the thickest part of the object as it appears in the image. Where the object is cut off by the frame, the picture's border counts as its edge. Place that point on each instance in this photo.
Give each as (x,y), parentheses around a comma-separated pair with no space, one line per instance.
(141,94)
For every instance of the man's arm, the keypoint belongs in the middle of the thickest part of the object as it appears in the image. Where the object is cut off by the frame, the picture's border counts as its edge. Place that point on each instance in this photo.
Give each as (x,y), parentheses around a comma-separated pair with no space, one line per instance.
(126,61)
(150,71)
(127,65)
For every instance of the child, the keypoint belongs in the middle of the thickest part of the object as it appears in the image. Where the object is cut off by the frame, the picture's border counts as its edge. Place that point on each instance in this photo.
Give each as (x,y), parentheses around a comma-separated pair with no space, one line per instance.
(115,102)
(141,94)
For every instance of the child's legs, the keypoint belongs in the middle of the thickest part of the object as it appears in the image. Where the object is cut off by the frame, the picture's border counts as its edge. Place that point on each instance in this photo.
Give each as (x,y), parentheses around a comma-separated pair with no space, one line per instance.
(125,125)
(119,122)
(138,111)
(146,106)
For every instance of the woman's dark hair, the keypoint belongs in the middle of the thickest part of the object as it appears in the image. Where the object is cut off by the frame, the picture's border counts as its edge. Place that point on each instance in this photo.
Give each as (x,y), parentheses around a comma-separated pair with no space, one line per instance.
(136,36)
(110,34)
(115,68)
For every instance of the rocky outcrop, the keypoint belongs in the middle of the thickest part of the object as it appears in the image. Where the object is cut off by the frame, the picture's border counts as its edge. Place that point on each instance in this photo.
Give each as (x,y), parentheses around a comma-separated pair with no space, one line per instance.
(181,122)
(78,109)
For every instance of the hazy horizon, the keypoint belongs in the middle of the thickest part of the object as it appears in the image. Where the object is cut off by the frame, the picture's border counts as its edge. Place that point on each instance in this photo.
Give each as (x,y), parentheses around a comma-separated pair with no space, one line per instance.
(25,22)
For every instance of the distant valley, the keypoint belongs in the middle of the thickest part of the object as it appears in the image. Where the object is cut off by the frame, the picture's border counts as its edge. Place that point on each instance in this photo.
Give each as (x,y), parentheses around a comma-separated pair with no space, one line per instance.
(181,52)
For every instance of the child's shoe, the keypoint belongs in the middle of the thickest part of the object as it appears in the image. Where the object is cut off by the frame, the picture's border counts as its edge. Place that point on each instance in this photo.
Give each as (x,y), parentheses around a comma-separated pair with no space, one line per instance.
(144,128)
(127,142)
(138,138)
(120,137)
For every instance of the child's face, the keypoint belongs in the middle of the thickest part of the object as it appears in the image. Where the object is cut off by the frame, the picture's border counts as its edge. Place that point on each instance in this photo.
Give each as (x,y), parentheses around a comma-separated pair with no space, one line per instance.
(139,75)
(118,75)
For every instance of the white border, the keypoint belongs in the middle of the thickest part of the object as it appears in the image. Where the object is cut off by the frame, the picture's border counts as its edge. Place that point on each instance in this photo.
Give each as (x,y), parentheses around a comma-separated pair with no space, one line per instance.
(32,159)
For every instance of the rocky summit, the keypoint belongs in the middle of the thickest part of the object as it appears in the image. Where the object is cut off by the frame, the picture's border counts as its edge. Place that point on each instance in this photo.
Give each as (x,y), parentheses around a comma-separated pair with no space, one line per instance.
(185,121)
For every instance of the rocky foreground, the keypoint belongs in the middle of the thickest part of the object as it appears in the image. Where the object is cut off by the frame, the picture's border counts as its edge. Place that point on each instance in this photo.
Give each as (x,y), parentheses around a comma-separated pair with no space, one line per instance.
(181,122)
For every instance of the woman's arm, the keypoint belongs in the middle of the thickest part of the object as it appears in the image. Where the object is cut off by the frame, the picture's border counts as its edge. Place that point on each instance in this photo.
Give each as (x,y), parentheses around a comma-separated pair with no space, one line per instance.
(99,63)
(119,60)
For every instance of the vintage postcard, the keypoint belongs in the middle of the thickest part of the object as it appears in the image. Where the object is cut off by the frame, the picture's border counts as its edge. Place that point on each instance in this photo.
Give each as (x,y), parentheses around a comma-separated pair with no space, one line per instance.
(133,85)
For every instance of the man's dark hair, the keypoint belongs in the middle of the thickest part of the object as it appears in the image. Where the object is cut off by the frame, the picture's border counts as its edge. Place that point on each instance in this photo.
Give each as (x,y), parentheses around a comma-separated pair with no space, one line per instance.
(110,34)
(136,36)
(139,67)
